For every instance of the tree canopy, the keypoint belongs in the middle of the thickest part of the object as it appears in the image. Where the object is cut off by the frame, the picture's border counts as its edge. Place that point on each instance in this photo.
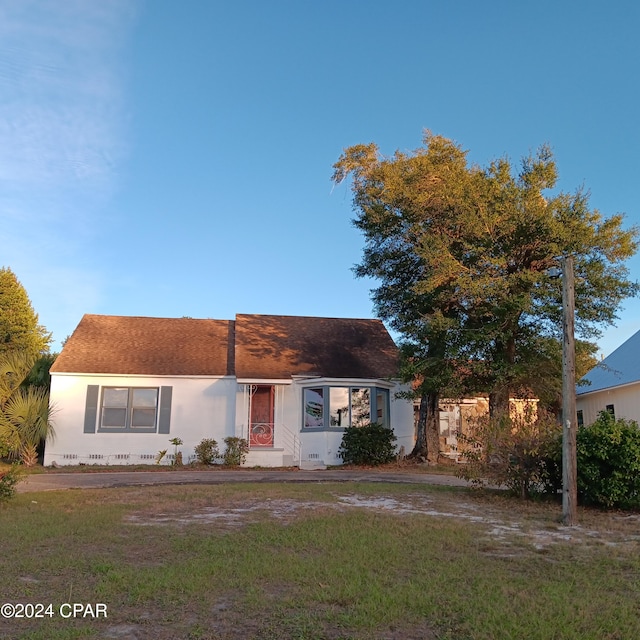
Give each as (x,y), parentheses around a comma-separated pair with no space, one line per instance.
(462,255)
(19,326)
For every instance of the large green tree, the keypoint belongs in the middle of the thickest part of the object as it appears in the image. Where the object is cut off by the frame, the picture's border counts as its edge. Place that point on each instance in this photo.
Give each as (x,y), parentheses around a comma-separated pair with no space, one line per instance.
(19,326)
(462,256)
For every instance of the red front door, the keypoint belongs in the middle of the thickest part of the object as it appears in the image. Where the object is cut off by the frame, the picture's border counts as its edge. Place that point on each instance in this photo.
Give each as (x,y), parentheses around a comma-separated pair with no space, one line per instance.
(261,417)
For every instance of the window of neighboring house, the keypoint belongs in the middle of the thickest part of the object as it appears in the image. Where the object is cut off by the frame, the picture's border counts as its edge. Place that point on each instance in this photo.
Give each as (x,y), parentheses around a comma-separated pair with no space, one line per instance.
(610,408)
(129,409)
(341,407)
(580,418)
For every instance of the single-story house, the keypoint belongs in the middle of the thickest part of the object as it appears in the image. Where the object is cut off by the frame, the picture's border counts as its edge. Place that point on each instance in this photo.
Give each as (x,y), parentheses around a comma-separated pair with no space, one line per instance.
(122,387)
(612,385)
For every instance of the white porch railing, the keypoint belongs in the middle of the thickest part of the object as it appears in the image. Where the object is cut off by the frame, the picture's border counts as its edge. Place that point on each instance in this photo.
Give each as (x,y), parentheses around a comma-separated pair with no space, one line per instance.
(291,443)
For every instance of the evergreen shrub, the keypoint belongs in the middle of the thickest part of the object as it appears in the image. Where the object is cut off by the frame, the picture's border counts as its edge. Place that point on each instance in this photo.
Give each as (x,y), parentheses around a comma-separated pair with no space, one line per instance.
(236,452)
(9,478)
(207,451)
(372,444)
(608,460)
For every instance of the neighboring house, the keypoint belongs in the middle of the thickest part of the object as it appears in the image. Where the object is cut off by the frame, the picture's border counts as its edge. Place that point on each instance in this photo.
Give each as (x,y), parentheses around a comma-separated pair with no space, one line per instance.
(612,385)
(457,417)
(122,387)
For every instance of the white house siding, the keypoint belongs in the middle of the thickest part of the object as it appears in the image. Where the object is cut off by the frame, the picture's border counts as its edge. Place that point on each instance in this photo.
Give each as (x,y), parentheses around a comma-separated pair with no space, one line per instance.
(200,409)
(402,419)
(292,444)
(625,400)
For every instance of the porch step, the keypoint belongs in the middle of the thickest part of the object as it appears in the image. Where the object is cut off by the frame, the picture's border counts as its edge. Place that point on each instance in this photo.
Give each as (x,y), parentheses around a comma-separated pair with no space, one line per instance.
(312,465)
(265,457)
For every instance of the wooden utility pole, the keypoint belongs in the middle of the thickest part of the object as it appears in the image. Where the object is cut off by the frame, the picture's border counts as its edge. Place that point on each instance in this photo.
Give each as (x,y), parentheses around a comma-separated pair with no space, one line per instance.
(569,416)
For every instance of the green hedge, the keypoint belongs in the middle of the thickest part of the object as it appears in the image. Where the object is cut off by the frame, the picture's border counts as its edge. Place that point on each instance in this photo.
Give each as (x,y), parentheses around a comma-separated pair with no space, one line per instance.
(608,461)
(371,444)
(608,456)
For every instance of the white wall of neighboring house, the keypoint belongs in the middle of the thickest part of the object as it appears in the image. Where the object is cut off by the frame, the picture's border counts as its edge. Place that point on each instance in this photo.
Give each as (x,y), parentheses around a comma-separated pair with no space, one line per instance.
(625,400)
(202,407)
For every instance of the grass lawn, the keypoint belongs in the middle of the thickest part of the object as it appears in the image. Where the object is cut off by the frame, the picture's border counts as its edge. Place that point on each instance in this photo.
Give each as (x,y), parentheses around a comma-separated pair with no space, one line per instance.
(343,560)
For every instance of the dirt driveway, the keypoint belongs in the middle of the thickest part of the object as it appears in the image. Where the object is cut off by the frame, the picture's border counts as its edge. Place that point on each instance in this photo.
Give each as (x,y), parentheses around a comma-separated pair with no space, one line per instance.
(98,479)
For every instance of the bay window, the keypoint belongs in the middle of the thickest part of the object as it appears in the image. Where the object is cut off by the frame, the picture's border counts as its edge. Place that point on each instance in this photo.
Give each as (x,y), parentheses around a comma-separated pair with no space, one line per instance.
(333,407)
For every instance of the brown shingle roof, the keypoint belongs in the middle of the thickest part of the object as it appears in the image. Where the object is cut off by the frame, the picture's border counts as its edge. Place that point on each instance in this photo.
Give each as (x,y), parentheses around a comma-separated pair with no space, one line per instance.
(148,346)
(266,347)
(278,347)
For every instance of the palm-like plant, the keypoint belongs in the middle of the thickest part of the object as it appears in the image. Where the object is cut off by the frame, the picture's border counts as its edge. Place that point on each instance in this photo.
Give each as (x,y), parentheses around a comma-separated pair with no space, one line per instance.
(25,415)
(14,368)
(26,422)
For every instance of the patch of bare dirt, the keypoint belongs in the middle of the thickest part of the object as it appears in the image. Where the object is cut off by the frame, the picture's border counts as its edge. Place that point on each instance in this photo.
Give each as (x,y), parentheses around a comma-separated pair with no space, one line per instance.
(250,511)
(504,522)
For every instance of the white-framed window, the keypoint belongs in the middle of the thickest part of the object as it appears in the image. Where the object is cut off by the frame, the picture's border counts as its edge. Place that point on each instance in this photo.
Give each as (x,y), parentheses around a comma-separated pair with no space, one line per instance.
(129,409)
(339,407)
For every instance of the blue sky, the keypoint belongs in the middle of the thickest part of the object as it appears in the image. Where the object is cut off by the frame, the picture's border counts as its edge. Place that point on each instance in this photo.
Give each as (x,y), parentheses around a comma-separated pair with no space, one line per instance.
(168,158)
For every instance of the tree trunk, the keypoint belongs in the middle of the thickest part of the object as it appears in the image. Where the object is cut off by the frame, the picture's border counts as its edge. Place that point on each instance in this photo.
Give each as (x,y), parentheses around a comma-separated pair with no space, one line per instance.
(499,403)
(499,396)
(420,447)
(428,430)
(433,428)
